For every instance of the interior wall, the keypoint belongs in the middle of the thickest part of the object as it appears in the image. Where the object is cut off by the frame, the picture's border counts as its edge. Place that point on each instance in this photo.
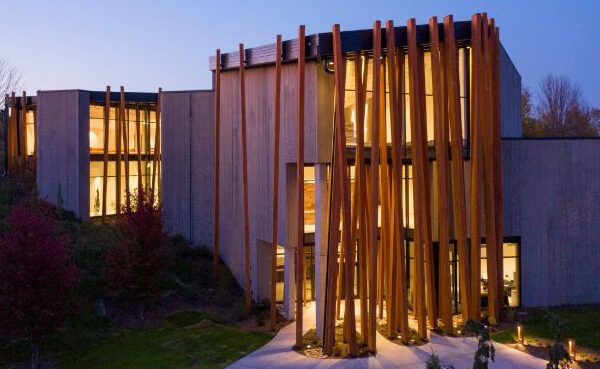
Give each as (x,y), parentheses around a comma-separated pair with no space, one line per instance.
(62,141)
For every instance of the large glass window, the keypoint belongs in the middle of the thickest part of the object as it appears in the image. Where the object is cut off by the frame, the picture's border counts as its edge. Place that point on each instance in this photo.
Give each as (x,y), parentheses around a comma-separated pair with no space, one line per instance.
(350,100)
(511,280)
(147,125)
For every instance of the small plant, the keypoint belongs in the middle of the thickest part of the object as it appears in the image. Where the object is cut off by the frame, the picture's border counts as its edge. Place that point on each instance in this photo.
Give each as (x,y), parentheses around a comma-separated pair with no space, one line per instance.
(433,362)
(37,277)
(485,349)
(559,357)
(138,263)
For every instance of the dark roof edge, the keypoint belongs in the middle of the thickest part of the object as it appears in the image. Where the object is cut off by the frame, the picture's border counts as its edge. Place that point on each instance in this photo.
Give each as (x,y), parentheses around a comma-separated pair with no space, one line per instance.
(319,45)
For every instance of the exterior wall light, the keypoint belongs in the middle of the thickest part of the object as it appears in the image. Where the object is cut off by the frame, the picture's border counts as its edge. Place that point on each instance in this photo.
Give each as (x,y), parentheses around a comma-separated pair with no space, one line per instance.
(572,348)
(328,66)
(520,334)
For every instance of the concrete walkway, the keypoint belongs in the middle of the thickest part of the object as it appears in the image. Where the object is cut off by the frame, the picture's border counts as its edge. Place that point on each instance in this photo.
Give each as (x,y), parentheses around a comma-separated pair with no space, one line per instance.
(455,351)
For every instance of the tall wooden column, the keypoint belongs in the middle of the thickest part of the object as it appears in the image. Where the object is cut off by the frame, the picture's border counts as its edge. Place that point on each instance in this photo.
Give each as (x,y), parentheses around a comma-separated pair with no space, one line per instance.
(457,163)
(300,189)
(276,120)
(138,144)
(118,140)
(442,184)
(105,149)
(23,133)
(217,162)
(245,177)
(418,178)
(125,127)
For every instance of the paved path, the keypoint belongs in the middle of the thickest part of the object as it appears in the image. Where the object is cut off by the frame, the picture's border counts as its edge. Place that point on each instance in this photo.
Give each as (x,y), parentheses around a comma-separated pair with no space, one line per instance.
(451,350)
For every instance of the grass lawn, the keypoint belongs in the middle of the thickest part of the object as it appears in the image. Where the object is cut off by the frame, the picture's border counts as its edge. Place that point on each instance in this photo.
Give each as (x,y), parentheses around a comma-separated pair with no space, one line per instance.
(581,323)
(184,340)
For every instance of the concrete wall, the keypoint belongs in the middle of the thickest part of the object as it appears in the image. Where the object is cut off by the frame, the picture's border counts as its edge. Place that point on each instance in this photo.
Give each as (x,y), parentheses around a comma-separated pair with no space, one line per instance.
(552,201)
(187,165)
(510,97)
(62,141)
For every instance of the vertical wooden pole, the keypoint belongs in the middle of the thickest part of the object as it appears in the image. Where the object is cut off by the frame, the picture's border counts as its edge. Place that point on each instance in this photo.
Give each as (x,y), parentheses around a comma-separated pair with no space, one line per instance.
(14,134)
(476,168)
(442,183)
(458,179)
(487,127)
(300,189)
(125,126)
(344,185)
(498,160)
(216,163)
(34,158)
(118,157)
(156,167)
(360,186)
(105,149)
(418,178)
(277,122)
(245,178)
(138,144)
(373,231)
(23,133)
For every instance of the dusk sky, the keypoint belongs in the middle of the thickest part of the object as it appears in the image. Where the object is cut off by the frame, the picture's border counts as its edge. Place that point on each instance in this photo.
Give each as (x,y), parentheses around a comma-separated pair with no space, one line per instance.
(146,44)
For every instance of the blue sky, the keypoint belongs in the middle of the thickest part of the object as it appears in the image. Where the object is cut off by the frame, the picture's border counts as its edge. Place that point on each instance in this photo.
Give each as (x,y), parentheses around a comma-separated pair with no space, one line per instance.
(145,44)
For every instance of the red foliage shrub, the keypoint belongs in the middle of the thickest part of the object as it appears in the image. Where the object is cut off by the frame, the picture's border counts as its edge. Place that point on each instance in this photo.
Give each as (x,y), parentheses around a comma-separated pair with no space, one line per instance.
(37,277)
(138,263)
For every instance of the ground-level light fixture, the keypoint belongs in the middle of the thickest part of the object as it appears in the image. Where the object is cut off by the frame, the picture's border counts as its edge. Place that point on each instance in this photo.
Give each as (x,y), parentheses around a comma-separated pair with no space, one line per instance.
(572,348)
(520,334)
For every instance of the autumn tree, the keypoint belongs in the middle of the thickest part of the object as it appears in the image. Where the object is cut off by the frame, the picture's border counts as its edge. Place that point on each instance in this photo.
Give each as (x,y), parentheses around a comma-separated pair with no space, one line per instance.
(37,277)
(139,261)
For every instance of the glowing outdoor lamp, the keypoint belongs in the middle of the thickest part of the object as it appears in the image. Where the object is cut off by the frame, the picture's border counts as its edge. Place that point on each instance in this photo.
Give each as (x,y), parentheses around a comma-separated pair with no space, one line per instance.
(520,334)
(572,348)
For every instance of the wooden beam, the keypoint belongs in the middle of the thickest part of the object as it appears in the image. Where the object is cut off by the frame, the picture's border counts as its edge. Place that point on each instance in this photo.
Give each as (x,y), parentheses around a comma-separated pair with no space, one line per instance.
(138,144)
(300,190)
(487,127)
(344,185)
(277,122)
(498,161)
(245,179)
(118,118)
(399,301)
(23,133)
(157,153)
(217,164)
(373,229)
(14,136)
(442,183)
(457,163)
(34,159)
(360,77)
(105,149)
(125,127)
(418,179)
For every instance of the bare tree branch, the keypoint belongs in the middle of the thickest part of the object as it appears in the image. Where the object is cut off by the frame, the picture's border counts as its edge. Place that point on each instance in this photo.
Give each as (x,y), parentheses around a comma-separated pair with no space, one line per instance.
(10,79)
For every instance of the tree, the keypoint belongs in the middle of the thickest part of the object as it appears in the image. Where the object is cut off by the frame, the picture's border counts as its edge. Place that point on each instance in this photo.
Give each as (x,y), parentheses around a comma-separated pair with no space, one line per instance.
(37,277)
(562,111)
(531,126)
(138,263)
(10,78)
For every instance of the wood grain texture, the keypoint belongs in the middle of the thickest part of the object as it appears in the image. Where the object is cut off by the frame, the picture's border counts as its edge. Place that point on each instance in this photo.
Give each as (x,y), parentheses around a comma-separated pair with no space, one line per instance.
(105,150)
(244,145)
(124,121)
(300,189)
(442,181)
(457,163)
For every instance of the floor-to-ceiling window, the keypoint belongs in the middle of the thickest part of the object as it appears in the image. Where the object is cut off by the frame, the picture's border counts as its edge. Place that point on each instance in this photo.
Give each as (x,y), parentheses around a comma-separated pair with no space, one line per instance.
(145,115)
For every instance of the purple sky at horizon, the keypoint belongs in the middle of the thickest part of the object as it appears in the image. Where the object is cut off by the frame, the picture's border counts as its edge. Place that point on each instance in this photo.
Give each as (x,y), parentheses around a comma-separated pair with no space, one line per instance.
(66,44)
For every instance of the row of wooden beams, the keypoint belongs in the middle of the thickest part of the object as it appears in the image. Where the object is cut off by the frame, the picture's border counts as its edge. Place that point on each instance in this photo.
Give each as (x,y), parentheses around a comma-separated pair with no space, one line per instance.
(277,122)
(217,154)
(245,179)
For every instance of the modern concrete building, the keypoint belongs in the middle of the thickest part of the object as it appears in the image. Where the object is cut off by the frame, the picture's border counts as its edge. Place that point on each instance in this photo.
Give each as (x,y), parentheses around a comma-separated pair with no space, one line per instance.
(548,249)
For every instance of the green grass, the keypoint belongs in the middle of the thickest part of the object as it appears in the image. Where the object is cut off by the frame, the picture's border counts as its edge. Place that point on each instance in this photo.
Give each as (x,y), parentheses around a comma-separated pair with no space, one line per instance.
(184,340)
(581,323)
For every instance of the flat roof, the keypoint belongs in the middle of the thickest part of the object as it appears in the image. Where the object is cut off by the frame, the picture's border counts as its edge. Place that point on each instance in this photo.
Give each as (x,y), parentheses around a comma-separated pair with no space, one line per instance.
(320,45)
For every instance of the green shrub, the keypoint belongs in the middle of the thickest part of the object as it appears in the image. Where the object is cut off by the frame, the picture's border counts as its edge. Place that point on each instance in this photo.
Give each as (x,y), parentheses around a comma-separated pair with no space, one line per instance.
(485,349)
